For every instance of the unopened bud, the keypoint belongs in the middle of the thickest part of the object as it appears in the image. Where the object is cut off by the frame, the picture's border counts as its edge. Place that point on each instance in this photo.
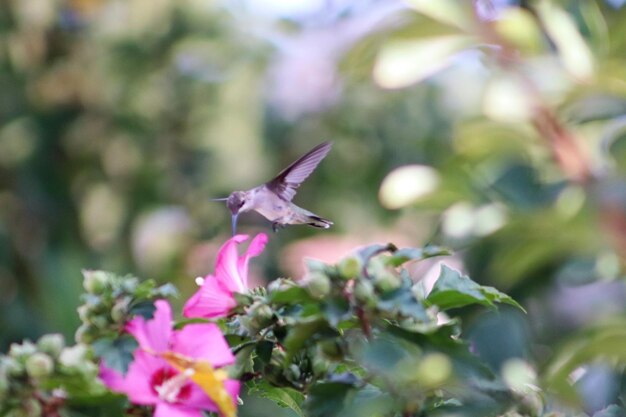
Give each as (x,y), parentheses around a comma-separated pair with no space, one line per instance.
(387,281)
(4,383)
(120,310)
(317,285)
(261,314)
(18,350)
(350,267)
(278,357)
(294,372)
(280,284)
(83,312)
(364,292)
(320,366)
(32,408)
(39,365)
(11,366)
(99,322)
(331,349)
(51,344)
(434,370)
(94,282)
(86,333)
(73,356)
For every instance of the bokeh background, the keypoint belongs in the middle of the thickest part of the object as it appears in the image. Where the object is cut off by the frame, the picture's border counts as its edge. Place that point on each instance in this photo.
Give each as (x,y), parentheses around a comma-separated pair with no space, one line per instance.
(497,128)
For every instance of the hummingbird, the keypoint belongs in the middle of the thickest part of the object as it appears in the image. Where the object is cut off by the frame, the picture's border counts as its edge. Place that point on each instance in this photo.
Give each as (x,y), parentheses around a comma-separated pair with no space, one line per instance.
(273,199)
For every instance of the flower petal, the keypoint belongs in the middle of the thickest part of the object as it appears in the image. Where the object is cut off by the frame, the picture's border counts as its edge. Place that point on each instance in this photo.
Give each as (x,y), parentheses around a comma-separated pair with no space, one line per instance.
(198,398)
(211,300)
(256,247)
(137,384)
(112,379)
(153,334)
(203,341)
(164,409)
(226,265)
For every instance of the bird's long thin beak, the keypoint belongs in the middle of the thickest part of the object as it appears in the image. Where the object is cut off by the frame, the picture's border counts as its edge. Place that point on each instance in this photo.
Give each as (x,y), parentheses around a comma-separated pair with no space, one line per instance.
(218,199)
(234,223)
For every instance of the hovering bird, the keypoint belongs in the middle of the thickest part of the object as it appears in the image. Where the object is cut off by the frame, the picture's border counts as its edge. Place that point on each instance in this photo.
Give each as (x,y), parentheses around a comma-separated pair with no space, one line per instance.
(273,199)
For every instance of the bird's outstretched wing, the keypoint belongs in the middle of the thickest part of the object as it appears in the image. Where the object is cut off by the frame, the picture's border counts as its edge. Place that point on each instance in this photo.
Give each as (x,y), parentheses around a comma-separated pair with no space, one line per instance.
(287,182)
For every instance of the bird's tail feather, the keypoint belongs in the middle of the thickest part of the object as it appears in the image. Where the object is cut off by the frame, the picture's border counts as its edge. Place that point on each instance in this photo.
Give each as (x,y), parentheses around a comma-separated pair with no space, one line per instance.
(317,221)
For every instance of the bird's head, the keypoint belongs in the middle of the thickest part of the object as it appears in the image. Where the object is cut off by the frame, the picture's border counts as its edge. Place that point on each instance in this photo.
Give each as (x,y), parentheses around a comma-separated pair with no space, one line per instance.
(236,203)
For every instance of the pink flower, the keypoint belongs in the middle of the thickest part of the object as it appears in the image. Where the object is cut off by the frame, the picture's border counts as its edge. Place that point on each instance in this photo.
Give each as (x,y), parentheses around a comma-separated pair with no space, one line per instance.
(215,296)
(151,380)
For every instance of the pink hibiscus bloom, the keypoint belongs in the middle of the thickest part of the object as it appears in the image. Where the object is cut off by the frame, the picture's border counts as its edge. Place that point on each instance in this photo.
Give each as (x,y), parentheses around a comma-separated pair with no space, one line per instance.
(151,380)
(215,296)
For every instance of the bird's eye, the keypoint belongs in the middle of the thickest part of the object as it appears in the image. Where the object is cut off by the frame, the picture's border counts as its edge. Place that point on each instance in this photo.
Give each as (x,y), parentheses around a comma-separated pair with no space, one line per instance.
(241,204)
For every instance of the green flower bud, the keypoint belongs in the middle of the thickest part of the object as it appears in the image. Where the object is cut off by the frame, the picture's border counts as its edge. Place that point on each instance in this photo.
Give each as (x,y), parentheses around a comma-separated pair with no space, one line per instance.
(39,365)
(32,408)
(11,366)
(51,344)
(280,284)
(120,310)
(278,357)
(4,383)
(293,372)
(95,282)
(86,333)
(320,366)
(317,285)
(434,369)
(19,350)
(364,292)
(350,267)
(130,284)
(261,314)
(387,281)
(74,356)
(83,312)
(99,322)
(331,349)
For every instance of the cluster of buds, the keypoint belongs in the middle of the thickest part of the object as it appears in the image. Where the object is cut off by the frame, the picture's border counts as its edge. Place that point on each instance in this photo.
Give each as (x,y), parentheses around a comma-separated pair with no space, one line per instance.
(32,376)
(110,300)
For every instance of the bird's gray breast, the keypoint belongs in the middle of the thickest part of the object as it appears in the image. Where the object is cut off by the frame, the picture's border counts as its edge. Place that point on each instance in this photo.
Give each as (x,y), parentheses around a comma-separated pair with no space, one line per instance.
(269,204)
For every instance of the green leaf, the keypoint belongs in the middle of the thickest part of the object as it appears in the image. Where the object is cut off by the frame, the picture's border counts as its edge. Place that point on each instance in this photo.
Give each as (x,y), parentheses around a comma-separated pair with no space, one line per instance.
(144,309)
(404,255)
(336,310)
(284,397)
(605,342)
(299,334)
(264,350)
(403,301)
(453,290)
(328,399)
(292,295)
(401,63)
(166,291)
(372,250)
(116,353)
(611,411)
(370,401)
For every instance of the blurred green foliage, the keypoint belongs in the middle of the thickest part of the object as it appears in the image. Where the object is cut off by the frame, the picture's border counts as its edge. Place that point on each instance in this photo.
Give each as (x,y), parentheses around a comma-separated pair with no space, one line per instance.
(118,120)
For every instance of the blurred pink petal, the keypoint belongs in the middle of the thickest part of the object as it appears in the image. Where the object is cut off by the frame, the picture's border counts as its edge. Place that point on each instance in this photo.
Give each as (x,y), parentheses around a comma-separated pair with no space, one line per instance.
(112,379)
(215,297)
(232,270)
(139,380)
(198,398)
(153,334)
(210,301)
(171,410)
(203,341)
(151,380)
